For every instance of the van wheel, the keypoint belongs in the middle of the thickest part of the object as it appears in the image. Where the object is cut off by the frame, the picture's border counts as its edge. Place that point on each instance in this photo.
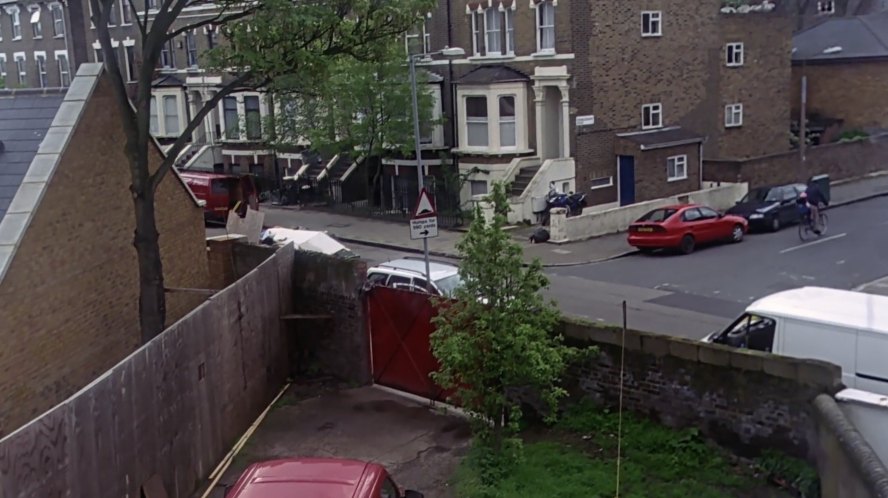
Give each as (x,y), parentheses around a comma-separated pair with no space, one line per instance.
(687,244)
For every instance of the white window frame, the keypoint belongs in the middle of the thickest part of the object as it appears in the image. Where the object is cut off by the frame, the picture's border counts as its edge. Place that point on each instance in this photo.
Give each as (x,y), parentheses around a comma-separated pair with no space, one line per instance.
(126,13)
(241,115)
(36,22)
(56,8)
(656,109)
(3,68)
(734,115)
(539,27)
(63,75)
(422,32)
(826,7)
(170,48)
(158,95)
(22,71)
(735,54)
(608,182)
(651,16)
(513,120)
(42,73)
(435,139)
(493,32)
(505,32)
(131,75)
(16,15)
(509,28)
(674,162)
(189,63)
(492,94)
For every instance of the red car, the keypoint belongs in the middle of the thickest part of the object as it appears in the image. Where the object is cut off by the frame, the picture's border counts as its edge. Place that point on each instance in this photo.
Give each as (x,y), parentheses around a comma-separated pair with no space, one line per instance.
(683,227)
(317,478)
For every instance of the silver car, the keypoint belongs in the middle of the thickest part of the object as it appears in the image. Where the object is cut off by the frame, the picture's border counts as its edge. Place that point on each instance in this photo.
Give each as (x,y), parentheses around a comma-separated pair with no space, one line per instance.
(409,274)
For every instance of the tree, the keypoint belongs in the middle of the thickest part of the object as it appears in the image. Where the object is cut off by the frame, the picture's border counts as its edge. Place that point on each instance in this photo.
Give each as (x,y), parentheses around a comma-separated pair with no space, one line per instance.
(498,336)
(265,40)
(362,107)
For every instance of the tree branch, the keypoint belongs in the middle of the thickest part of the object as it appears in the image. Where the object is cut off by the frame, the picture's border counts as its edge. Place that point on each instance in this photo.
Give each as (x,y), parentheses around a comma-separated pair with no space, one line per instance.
(185,136)
(141,23)
(220,18)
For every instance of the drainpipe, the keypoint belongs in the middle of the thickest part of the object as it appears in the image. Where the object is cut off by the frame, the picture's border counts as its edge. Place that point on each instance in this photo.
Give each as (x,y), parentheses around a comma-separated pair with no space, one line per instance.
(700,152)
(454,159)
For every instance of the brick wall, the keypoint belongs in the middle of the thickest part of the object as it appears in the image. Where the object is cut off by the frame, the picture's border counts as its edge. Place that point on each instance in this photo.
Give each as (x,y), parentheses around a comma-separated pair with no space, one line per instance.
(70,298)
(839,160)
(745,400)
(651,180)
(328,285)
(852,91)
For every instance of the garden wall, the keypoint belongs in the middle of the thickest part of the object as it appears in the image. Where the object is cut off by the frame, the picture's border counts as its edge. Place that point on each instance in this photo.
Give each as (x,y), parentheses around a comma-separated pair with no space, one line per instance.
(841,161)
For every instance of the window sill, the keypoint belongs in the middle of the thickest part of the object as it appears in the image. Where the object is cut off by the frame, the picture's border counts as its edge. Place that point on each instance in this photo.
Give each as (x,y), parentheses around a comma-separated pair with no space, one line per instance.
(542,54)
(58,37)
(598,187)
(16,38)
(676,179)
(652,35)
(37,38)
(651,128)
(490,152)
(491,58)
(734,65)
(727,126)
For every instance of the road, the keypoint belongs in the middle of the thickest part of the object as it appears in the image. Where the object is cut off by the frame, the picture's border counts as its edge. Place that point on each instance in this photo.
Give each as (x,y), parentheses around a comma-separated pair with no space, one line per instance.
(690,296)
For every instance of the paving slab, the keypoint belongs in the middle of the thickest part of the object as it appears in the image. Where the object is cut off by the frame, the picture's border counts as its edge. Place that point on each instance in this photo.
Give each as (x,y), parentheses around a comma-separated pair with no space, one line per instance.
(420,446)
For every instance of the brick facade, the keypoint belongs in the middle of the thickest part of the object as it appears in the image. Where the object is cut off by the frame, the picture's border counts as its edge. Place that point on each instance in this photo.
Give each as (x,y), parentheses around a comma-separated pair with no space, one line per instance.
(853,91)
(651,180)
(70,297)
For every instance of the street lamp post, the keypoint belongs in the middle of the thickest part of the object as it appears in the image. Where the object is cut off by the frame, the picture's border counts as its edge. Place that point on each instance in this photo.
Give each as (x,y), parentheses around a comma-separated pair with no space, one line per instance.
(449,52)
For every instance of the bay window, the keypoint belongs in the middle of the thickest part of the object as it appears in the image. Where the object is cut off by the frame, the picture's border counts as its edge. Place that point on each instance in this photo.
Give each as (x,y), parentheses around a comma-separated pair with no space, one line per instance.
(253,117)
(171,115)
(165,111)
(232,118)
(493,118)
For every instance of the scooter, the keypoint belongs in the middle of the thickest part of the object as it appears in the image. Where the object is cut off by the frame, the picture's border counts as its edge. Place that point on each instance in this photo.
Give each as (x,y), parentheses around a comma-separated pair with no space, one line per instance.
(573,202)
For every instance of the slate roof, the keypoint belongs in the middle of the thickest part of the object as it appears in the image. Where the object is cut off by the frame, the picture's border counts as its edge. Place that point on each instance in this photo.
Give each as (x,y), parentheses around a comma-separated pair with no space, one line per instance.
(843,38)
(486,75)
(663,138)
(25,117)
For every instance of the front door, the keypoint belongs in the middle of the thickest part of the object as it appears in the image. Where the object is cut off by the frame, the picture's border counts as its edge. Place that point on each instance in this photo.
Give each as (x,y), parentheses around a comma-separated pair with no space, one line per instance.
(626,177)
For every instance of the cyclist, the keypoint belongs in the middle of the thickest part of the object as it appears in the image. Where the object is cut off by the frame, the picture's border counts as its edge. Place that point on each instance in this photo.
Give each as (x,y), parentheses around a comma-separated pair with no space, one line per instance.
(809,206)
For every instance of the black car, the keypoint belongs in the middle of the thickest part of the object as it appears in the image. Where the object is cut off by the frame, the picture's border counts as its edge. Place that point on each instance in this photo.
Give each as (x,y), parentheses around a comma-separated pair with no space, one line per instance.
(770,207)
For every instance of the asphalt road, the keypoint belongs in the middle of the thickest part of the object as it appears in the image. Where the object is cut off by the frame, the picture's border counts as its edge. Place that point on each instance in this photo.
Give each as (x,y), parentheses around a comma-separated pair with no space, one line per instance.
(690,296)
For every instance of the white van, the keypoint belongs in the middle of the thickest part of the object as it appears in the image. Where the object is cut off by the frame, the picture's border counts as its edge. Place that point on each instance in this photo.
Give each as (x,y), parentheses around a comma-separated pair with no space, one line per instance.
(849,329)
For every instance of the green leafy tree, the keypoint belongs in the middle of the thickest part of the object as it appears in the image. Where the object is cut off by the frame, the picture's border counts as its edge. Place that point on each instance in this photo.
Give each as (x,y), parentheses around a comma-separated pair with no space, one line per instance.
(361,107)
(498,337)
(264,41)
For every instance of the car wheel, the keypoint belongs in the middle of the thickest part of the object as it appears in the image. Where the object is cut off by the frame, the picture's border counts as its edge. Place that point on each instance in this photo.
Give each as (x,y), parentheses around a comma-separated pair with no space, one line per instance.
(687,244)
(737,234)
(775,224)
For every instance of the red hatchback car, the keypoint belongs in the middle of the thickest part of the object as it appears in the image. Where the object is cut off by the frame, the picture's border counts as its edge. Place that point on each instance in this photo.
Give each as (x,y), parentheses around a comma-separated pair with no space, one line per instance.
(683,227)
(317,478)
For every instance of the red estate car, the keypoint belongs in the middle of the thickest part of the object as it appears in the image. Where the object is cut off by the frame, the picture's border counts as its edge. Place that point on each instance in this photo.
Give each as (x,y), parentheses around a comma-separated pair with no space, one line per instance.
(317,478)
(683,227)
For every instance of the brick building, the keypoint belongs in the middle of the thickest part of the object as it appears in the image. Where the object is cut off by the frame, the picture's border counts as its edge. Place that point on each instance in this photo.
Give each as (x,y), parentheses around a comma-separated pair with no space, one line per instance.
(68,271)
(810,13)
(634,99)
(845,61)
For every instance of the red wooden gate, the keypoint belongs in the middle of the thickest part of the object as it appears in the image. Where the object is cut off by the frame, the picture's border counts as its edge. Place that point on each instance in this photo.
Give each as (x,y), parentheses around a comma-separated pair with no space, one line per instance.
(400,326)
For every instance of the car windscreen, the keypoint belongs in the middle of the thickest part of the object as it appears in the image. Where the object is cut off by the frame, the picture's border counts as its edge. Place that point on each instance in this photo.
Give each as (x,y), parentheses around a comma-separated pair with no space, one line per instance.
(762,195)
(658,215)
(448,285)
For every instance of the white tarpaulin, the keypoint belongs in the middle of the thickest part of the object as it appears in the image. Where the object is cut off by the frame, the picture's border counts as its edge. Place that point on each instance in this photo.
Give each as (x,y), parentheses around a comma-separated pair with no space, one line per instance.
(307,240)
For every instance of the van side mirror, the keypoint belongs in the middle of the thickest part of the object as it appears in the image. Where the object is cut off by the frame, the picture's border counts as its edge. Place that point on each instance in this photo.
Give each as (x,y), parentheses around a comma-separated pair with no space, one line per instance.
(413,494)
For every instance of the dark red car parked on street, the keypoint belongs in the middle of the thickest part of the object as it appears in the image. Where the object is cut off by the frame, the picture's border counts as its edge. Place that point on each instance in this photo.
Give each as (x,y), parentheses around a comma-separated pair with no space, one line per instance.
(683,227)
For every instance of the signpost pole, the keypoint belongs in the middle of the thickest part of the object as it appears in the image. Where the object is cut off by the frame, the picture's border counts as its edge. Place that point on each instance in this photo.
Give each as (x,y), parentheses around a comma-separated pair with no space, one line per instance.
(419,169)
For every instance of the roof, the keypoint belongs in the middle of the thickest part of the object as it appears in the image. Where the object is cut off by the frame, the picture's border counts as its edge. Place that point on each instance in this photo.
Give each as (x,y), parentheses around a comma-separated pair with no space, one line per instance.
(168,80)
(318,477)
(840,308)
(25,118)
(843,38)
(663,138)
(437,270)
(486,75)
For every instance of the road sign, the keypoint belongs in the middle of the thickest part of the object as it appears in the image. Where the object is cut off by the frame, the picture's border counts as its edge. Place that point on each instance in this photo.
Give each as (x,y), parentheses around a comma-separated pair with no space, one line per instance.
(423,228)
(425,208)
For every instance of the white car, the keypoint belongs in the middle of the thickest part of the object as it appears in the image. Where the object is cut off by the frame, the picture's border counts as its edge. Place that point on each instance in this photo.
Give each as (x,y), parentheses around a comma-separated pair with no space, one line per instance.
(409,274)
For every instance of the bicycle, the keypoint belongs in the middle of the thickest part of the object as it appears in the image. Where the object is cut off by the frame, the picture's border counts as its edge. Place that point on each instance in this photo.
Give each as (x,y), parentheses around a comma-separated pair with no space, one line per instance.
(806,227)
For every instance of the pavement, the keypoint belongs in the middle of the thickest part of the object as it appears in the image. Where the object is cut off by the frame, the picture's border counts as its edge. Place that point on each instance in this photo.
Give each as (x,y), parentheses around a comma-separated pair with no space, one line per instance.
(395,236)
(420,447)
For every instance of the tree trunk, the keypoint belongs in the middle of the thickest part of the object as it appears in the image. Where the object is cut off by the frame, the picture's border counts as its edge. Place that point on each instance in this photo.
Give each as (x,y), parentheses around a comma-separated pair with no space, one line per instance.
(152,301)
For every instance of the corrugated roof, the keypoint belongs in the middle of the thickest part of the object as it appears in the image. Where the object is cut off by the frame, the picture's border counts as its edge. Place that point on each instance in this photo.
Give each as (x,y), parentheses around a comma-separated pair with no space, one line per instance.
(486,75)
(858,37)
(25,118)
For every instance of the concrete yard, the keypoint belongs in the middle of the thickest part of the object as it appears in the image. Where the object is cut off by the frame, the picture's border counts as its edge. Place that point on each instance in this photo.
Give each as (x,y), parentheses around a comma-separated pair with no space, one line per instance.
(420,446)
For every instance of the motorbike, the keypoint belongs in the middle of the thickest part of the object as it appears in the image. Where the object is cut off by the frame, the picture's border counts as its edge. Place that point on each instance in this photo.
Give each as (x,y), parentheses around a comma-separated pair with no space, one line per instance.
(573,202)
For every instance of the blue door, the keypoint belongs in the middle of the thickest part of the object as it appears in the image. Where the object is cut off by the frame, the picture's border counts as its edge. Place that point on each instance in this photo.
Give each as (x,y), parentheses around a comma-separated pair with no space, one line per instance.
(627,179)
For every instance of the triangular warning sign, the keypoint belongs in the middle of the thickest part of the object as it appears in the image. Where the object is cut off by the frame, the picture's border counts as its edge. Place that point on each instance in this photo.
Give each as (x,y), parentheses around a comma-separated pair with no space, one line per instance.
(424,206)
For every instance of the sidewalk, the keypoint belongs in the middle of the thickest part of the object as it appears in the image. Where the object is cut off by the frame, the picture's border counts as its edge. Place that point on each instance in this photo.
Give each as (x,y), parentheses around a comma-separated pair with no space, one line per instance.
(396,236)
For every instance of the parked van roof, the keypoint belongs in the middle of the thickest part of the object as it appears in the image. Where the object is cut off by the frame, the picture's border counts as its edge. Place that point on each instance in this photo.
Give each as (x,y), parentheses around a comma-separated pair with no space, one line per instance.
(841,308)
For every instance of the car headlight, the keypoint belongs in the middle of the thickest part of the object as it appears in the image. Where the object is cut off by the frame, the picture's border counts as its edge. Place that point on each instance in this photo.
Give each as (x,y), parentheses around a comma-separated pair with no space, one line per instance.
(756,216)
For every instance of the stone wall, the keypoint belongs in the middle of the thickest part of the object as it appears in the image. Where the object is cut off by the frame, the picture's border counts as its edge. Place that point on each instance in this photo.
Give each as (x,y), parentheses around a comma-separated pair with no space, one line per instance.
(745,400)
(326,285)
(839,160)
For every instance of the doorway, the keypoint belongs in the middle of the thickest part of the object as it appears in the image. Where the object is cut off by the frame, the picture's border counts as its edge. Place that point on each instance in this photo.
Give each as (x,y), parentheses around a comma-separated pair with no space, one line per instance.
(626,178)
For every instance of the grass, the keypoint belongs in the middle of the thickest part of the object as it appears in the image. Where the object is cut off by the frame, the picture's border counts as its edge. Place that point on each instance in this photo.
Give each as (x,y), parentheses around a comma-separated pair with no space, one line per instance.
(577,459)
